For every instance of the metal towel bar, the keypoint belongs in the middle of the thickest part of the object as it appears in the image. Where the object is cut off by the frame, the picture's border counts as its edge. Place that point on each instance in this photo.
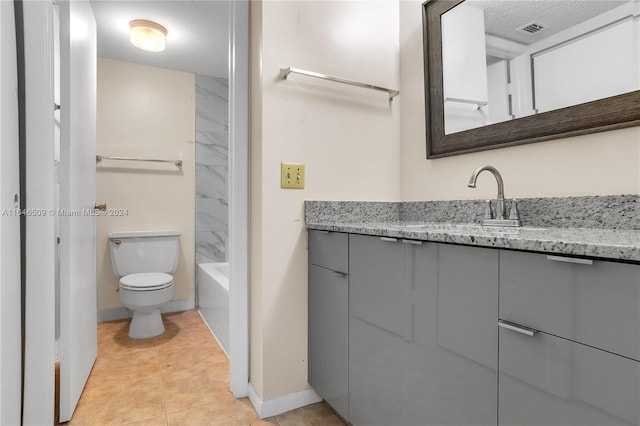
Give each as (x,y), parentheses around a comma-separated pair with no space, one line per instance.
(477,104)
(99,158)
(284,73)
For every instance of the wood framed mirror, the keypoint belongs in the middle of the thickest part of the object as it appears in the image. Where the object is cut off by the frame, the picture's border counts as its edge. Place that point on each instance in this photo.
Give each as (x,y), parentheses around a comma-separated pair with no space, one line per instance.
(545,89)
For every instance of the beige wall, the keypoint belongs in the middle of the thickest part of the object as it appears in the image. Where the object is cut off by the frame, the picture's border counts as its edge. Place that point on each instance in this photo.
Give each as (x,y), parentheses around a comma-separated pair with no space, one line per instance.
(598,164)
(346,136)
(145,112)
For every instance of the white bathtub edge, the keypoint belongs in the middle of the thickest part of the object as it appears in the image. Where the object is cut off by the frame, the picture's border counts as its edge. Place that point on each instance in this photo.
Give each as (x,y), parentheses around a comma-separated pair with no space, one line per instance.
(213,270)
(213,300)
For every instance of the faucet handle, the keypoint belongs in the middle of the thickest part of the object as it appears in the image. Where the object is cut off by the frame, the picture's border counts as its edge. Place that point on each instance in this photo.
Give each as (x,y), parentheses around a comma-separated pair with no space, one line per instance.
(488,214)
(513,212)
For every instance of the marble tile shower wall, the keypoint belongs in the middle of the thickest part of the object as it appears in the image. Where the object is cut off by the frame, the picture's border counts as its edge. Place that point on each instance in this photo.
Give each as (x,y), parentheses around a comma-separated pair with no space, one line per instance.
(212,153)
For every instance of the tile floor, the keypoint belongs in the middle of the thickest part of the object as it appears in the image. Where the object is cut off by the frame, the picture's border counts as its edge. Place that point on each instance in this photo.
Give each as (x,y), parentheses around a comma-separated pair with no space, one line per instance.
(179,378)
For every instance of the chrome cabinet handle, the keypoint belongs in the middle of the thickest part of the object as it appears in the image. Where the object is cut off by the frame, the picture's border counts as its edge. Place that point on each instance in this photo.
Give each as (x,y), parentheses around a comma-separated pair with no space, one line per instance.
(389,239)
(414,242)
(570,260)
(323,231)
(517,328)
(339,274)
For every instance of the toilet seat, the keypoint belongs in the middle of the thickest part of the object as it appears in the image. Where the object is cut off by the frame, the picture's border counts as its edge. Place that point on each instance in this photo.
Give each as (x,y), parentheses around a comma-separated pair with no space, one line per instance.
(146,281)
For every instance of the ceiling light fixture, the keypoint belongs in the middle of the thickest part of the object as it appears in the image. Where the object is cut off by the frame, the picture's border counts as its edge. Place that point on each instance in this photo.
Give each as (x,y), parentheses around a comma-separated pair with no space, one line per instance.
(147,35)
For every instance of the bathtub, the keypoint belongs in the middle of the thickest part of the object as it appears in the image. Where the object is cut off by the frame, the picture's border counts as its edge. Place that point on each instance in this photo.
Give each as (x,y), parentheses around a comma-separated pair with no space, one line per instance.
(213,299)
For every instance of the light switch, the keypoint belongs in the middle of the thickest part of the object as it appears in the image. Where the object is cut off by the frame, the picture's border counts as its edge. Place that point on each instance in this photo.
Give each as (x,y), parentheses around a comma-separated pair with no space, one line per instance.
(292,175)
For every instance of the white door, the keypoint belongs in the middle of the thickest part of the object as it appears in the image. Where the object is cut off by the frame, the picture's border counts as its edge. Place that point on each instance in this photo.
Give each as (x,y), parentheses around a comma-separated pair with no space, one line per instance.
(39,240)
(78,299)
(10,346)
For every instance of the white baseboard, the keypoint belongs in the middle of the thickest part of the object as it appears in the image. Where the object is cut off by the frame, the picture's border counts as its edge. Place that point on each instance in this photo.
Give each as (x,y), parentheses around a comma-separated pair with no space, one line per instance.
(282,404)
(122,312)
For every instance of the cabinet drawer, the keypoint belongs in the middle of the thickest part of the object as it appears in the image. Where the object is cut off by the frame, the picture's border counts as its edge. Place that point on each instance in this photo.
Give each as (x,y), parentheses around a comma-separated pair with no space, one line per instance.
(596,303)
(549,381)
(329,250)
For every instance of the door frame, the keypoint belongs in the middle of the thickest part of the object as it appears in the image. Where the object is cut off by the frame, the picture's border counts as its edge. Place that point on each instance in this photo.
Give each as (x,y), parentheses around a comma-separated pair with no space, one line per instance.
(239,197)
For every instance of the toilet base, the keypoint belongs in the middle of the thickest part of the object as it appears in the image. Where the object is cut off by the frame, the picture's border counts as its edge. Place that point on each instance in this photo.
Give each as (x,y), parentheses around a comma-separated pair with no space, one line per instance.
(146,324)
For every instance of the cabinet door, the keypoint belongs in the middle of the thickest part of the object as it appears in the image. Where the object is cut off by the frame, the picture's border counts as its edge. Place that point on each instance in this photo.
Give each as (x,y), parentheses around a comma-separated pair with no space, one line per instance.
(328,336)
(436,362)
(549,381)
(451,367)
(379,319)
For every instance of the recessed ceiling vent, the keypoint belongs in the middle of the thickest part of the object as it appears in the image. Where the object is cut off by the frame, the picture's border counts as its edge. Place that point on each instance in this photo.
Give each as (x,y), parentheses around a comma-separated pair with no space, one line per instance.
(531,28)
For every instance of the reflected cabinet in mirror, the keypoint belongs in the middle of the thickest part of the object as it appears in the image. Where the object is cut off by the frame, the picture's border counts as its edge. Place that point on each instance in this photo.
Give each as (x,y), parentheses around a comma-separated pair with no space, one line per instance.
(501,73)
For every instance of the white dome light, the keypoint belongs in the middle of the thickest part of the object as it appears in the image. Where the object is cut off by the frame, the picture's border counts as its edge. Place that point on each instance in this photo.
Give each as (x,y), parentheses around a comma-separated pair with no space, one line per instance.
(147,35)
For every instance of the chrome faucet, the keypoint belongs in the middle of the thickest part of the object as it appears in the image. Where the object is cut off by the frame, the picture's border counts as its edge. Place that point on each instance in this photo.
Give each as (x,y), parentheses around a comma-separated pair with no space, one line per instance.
(500,218)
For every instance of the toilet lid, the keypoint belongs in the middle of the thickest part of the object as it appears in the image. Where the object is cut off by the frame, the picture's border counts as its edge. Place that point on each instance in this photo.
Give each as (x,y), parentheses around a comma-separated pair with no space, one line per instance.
(146,281)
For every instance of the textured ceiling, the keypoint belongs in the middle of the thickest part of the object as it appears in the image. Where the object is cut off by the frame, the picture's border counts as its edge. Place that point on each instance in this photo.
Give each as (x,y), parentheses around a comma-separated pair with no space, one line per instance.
(197,39)
(503,17)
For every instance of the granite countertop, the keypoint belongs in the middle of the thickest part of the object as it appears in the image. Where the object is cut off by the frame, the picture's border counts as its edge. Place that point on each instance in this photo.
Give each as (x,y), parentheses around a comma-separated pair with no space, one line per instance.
(615,244)
(608,242)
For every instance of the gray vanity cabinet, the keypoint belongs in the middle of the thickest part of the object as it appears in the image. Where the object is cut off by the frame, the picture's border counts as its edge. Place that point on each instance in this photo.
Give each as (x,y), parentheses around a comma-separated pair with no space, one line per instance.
(329,318)
(406,332)
(422,334)
(565,358)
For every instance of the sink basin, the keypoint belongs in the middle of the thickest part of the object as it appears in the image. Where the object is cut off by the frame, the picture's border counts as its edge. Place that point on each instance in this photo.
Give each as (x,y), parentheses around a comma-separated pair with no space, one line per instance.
(467,228)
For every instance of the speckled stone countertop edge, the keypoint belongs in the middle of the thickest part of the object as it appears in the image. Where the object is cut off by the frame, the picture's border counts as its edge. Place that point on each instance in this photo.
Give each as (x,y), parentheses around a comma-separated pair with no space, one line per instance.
(597,212)
(614,244)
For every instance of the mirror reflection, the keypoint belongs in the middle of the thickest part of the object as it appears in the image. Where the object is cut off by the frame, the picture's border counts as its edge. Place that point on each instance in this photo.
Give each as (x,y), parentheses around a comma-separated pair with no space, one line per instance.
(505,60)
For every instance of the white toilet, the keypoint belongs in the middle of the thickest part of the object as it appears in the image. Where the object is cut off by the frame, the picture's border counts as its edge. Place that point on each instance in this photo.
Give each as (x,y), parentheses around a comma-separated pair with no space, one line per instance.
(143,261)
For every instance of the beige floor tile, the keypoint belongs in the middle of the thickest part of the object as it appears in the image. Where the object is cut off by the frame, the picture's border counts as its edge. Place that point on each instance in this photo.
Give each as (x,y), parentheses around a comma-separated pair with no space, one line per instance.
(184,337)
(113,326)
(125,366)
(95,406)
(190,320)
(110,343)
(142,401)
(312,415)
(194,386)
(154,421)
(121,403)
(217,364)
(227,412)
(183,372)
(191,347)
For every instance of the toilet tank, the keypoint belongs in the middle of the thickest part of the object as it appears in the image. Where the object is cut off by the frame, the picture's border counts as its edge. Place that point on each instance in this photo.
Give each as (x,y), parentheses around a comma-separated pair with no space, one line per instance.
(144,251)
